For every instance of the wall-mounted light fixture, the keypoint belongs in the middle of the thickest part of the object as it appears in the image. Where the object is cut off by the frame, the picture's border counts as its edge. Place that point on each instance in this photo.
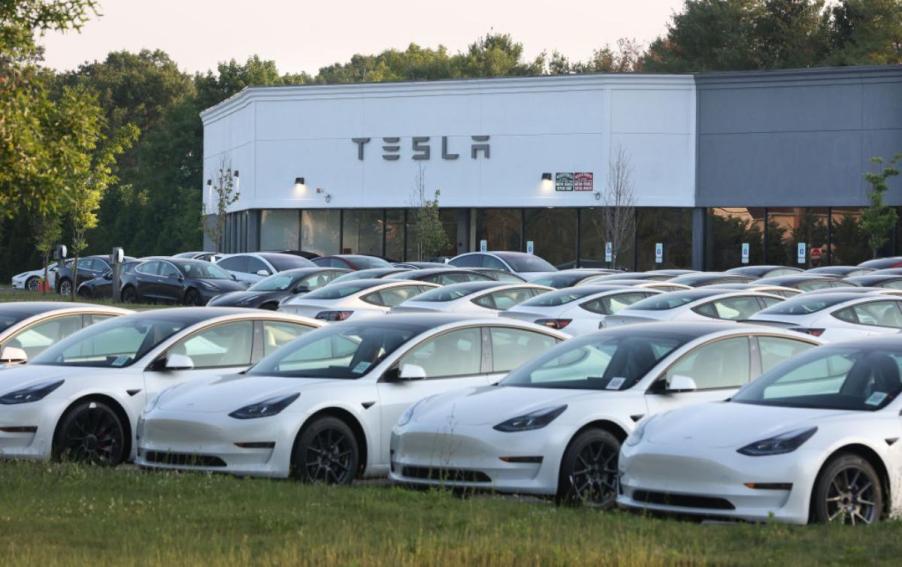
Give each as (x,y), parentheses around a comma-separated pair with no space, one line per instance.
(235,174)
(209,182)
(546,177)
(299,181)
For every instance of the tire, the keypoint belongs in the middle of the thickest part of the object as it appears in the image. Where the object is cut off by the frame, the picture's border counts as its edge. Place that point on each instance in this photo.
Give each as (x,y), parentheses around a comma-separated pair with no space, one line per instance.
(847,491)
(90,432)
(326,452)
(33,283)
(128,295)
(65,287)
(589,470)
(192,298)
(83,292)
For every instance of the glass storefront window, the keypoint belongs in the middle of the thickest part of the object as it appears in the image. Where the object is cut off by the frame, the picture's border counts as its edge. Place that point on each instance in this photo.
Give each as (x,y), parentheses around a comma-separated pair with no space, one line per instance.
(415,252)
(362,232)
(320,231)
(501,228)
(670,226)
(553,232)
(849,243)
(593,237)
(394,234)
(727,229)
(280,229)
(787,227)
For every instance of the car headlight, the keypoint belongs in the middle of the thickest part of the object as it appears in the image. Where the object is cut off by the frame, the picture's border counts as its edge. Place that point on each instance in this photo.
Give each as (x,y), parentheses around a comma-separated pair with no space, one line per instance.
(533,420)
(266,408)
(636,436)
(31,393)
(784,443)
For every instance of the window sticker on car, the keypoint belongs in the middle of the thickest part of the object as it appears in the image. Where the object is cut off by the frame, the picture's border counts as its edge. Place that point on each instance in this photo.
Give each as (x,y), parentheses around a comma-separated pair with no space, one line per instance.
(615,383)
(875,399)
(361,367)
(120,360)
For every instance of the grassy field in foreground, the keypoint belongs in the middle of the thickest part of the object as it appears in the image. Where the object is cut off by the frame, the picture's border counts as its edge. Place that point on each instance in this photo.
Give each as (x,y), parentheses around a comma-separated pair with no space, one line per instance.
(65,514)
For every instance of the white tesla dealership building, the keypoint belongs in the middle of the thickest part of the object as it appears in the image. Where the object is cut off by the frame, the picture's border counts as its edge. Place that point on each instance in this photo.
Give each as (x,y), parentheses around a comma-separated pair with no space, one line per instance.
(716,161)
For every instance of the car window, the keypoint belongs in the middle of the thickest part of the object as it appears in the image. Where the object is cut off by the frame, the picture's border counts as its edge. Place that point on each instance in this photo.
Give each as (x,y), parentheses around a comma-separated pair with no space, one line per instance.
(776,350)
(721,364)
(34,339)
(731,308)
(149,268)
(457,353)
(505,299)
(167,270)
(613,303)
(513,347)
(276,334)
(492,262)
(220,346)
(96,318)
(771,301)
(397,295)
(469,261)
(234,264)
(879,314)
(255,265)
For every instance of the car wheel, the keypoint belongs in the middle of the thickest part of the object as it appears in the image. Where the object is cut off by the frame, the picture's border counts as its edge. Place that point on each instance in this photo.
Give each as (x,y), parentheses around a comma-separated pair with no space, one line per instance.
(65,287)
(589,470)
(128,294)
(90,432)
(848,491)
(326,452)
(192,297)
(33,284)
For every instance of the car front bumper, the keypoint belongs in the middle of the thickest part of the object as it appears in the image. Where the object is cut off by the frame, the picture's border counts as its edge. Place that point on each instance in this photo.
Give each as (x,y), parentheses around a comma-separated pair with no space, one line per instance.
(214,443)
(26,430)
(478,457)
(715,483)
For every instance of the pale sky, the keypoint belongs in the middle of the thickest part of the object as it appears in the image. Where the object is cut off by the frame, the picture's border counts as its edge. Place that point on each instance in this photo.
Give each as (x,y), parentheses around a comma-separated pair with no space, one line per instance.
(307,35)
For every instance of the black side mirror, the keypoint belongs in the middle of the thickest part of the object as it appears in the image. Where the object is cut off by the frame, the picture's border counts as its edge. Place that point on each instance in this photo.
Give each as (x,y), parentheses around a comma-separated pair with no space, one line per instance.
(301,289)
(108,276)
(392,374)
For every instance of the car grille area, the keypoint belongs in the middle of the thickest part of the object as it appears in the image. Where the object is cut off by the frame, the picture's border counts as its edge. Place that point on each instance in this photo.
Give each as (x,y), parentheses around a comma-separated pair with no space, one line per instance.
(682,500)
(445,474)
(183,459)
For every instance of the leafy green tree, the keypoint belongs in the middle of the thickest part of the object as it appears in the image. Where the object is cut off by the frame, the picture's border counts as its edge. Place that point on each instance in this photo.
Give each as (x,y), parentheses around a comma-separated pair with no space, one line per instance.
(865,32)
(878,220)
(429,234)
(224,195)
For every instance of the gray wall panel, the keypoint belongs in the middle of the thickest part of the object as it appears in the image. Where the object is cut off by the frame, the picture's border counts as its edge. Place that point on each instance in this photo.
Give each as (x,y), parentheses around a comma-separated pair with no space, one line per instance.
(796,138)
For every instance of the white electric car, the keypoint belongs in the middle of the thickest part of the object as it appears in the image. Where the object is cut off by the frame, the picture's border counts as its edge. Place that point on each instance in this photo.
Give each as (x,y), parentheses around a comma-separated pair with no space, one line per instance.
(476,298)
(815,439)
(579,310)
(29,327)
(80,399)
(837,316)
(31,280)
(554,426)
(322,408)
(702,304)
(355,299)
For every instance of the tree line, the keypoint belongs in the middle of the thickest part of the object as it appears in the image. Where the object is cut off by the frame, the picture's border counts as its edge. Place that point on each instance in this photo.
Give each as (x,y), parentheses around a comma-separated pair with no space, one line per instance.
(110,154)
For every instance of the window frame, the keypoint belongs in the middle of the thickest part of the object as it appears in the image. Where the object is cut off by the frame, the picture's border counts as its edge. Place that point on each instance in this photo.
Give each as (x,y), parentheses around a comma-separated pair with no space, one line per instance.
(484,363)
(659,384)
(158,362)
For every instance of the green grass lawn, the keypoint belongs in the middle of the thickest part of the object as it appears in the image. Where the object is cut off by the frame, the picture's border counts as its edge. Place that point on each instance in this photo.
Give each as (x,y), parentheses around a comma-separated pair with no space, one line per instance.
(66,514)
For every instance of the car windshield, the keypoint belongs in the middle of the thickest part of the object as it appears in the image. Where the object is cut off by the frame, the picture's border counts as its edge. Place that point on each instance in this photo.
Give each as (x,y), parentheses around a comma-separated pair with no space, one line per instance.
(803,305)
(339,290)
(370,262)
(277,282)
(340,351)
(526,263)
(282,262)
(671,300)
(200,270)
(555,298)
(841,378)
(112,344)
(597,362)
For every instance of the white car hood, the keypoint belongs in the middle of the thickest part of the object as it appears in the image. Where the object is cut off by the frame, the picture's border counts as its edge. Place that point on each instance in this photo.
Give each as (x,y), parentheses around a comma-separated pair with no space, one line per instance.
(490,405)
(729,424)
(230,392)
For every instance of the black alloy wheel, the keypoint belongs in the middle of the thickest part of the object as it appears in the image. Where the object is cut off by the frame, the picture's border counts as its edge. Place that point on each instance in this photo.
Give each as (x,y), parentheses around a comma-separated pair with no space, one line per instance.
(326,453)
(848,491)
(91,433)
(589,470)
(33,284)
(192,297)
(128,294)
(65,287)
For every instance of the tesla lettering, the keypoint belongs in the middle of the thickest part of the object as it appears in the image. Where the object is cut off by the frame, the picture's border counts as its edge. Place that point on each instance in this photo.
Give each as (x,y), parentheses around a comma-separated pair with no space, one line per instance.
(422,149)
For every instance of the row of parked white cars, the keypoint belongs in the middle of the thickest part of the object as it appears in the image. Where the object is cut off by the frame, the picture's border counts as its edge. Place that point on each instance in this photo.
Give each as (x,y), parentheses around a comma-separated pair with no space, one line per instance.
(674,392)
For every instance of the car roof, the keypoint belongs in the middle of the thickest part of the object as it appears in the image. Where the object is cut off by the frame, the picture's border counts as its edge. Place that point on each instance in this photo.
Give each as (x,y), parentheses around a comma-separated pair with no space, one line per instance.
(471,287)
(32,308)
(839,297)
(690,330)
(192,315)
(803,277)
(410,274)
(426,321)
